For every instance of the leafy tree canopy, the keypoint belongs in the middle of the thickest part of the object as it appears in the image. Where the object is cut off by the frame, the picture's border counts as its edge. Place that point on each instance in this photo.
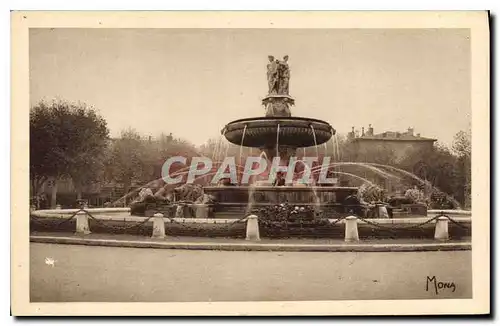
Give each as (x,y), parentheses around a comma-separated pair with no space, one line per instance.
(66,140)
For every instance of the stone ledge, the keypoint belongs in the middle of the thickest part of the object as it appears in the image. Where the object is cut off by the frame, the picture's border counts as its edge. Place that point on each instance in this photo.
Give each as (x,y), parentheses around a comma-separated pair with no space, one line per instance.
(256,246)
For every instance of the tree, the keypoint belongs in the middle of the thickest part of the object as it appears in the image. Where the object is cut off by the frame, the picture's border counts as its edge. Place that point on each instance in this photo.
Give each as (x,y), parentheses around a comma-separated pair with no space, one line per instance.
(66,140)
(210,147)
(135,159)
(437,167)
(161,148)
(126,160)
(462,148)
(380,153)
(462,143)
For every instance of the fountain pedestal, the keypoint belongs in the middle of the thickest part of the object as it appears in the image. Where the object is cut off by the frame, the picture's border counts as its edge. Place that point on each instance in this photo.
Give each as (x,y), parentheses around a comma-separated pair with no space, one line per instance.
(278,105)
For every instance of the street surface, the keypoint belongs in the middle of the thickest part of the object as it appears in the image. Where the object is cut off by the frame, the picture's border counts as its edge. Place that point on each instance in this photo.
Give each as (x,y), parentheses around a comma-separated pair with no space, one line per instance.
(70,273)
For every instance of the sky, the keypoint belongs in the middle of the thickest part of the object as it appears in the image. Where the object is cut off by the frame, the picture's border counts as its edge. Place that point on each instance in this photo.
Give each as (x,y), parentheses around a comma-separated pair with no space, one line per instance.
(191,82)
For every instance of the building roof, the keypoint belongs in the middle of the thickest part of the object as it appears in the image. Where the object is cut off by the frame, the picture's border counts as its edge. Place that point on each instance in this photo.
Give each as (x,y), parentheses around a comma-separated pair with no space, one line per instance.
(395,136)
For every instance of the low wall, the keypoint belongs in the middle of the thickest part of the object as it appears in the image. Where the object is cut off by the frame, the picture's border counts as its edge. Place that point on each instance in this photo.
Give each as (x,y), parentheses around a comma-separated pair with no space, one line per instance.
(120,215)
(144,228)
(117,221)
(452,212)
(90,210)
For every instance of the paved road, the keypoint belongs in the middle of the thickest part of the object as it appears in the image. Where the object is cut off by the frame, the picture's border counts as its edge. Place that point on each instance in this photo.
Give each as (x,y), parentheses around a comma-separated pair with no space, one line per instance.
(107,274)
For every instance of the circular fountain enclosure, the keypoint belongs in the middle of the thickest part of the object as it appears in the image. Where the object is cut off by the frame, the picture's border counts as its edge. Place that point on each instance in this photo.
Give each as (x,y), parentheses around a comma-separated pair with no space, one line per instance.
(263,132)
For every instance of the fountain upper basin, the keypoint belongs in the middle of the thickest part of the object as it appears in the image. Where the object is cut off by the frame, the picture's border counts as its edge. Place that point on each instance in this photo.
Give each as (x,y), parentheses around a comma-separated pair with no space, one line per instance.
(263,132)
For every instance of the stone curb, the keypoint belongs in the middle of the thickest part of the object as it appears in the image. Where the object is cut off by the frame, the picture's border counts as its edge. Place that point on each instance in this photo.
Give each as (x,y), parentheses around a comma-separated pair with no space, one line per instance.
(256,246)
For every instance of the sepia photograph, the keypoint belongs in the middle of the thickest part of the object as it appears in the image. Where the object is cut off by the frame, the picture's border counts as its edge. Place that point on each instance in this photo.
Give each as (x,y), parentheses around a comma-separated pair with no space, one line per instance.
(250,163)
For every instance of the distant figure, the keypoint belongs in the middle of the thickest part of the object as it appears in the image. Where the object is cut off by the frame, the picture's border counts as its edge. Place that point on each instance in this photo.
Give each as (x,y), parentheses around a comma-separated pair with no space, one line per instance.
(81,203)
(42,201)
(169,138)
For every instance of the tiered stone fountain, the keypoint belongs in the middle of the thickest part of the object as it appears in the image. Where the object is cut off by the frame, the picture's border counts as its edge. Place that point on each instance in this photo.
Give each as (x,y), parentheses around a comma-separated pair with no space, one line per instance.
(278,133)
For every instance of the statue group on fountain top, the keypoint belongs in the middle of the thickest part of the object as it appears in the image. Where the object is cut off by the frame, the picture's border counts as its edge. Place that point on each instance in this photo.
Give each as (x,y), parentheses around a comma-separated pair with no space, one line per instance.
(278,76)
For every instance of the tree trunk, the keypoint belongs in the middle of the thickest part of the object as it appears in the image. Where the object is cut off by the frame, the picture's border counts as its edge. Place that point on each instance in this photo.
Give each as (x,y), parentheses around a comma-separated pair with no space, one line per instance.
(53,199)
(78,189)
(37,184)
(467,187)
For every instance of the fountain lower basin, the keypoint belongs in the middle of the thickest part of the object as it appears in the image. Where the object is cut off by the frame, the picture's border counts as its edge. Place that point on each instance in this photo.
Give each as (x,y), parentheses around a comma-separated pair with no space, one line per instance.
(236,201)
(306,195)
(263,132)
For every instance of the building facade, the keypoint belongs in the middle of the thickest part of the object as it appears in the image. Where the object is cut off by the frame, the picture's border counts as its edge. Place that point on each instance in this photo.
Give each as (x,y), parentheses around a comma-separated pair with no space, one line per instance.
(401,144)
(389,147)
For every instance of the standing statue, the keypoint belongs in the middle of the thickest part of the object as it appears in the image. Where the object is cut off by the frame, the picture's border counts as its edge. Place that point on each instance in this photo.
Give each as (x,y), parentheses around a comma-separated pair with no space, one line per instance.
(283,76)
(272,75)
